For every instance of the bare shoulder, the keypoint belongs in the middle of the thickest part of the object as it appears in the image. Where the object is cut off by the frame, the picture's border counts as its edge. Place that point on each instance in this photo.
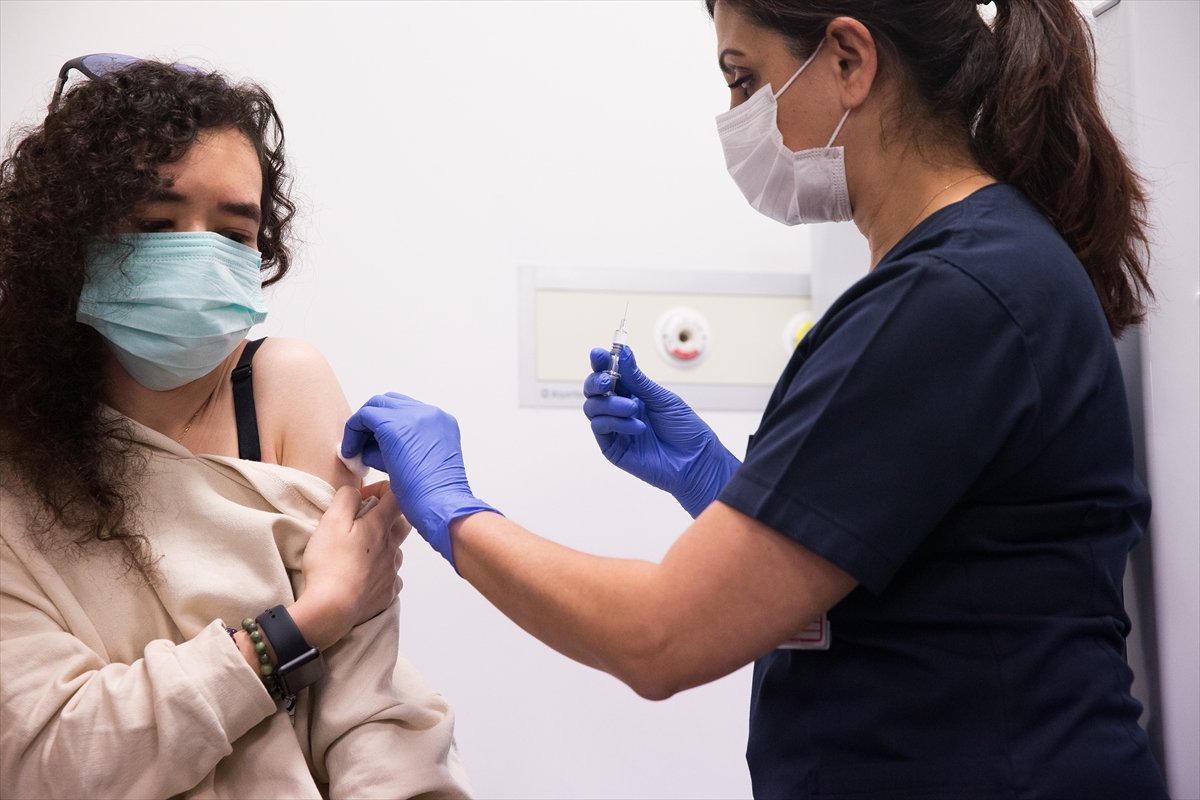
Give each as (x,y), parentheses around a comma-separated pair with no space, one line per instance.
(301,408)
(290,358)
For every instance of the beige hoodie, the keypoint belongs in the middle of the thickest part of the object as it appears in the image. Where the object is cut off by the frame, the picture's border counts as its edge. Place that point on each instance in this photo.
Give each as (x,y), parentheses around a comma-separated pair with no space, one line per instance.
(113,688)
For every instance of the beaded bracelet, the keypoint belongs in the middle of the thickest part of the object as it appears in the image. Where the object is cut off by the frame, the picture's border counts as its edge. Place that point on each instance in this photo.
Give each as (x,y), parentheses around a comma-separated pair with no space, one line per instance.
(270,680)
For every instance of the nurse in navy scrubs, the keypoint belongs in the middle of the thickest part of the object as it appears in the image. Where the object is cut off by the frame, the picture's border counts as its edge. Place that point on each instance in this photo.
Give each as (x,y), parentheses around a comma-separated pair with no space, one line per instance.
(941,493)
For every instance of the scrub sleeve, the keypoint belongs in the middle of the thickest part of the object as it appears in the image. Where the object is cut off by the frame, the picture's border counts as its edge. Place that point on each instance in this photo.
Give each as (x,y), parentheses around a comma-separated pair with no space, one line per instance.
(909,397)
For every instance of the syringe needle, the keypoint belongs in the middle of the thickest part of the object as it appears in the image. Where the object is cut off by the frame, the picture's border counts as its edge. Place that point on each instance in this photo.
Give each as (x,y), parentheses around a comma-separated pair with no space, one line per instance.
(620,335)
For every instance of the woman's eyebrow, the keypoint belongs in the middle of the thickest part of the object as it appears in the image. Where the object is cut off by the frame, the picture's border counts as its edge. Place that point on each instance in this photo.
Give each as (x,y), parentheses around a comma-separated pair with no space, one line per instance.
(166,195)
(250,211)
(728,51)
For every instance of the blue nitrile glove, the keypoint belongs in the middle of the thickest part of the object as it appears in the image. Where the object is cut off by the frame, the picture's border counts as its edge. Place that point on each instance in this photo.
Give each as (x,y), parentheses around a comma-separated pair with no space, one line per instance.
(648,431)
(418,446)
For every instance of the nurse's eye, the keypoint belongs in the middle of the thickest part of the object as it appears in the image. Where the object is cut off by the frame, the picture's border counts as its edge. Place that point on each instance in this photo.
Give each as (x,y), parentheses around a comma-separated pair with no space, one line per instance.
(741,83)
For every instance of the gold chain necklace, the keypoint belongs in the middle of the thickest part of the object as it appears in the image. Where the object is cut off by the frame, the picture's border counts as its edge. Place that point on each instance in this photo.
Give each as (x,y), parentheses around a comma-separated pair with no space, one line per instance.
(188,426)
(938,194)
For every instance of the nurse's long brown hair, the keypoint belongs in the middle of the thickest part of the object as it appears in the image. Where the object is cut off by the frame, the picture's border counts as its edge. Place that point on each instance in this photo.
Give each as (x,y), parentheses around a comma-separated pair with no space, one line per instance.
(1025,91)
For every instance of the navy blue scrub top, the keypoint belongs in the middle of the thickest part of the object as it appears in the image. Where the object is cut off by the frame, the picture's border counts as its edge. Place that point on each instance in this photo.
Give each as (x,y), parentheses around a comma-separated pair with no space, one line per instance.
(954,434)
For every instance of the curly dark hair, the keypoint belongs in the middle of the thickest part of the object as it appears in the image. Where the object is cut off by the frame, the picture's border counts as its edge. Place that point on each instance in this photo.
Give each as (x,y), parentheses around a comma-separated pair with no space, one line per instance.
(81,173)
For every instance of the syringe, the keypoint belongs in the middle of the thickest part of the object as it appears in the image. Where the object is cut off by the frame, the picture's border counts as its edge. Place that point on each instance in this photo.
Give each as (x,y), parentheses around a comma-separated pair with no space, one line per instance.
(620,336)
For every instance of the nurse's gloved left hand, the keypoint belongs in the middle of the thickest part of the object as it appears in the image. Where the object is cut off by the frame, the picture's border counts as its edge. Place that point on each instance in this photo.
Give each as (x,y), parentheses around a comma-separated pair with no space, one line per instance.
(418,446)
(649,431)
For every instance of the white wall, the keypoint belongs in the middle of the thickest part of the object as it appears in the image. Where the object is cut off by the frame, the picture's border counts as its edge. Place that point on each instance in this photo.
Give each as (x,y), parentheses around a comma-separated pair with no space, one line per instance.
(436,146)
(1164,76)
(1149,74)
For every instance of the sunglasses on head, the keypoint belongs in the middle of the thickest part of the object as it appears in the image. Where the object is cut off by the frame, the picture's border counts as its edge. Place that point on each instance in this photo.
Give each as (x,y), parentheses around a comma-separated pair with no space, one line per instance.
(97,65)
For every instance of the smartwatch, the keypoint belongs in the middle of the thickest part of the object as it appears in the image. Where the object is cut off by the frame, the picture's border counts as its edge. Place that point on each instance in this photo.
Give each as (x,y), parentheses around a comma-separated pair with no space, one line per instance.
(299,664)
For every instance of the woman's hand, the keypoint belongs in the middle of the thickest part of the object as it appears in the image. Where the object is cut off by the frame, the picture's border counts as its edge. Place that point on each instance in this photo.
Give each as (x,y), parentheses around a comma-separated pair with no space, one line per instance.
(350,565)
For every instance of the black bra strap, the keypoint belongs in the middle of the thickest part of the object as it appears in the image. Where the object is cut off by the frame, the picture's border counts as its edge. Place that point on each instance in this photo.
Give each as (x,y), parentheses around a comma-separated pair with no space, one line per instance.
(243,404)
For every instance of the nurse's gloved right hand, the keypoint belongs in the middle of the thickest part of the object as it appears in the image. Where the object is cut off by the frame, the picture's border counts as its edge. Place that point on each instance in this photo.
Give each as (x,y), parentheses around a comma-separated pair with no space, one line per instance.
(418,446)
(649,432)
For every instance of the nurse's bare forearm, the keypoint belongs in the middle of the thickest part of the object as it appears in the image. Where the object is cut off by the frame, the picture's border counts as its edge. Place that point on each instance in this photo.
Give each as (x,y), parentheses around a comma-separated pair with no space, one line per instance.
(599,611)
(728,590)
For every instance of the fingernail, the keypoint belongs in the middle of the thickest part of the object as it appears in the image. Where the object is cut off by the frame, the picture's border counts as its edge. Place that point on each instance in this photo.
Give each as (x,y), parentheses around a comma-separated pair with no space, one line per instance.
(367,505)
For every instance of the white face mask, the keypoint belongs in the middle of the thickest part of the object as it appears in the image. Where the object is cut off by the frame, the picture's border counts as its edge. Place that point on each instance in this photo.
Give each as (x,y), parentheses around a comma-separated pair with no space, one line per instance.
(805,186)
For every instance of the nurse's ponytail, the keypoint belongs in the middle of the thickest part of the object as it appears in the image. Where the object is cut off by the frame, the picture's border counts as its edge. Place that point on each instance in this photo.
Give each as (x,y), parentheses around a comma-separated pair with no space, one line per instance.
(1024,89)
(1039,126)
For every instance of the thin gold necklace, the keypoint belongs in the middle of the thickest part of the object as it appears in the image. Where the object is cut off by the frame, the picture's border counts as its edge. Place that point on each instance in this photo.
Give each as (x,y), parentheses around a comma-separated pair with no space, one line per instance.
(938,194)
(188,426)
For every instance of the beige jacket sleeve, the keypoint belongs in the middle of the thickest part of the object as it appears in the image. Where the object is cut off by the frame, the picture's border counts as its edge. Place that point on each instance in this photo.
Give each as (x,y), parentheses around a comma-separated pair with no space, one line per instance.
(72,724)
(375,728)
(371,727)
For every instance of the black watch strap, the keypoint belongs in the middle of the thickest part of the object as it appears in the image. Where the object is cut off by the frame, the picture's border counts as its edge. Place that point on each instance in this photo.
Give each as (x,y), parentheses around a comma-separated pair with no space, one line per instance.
(298,664)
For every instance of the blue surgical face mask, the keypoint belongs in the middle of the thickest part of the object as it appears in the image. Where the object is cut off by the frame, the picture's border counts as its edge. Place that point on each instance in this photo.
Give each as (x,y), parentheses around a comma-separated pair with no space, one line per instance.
(176,306)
